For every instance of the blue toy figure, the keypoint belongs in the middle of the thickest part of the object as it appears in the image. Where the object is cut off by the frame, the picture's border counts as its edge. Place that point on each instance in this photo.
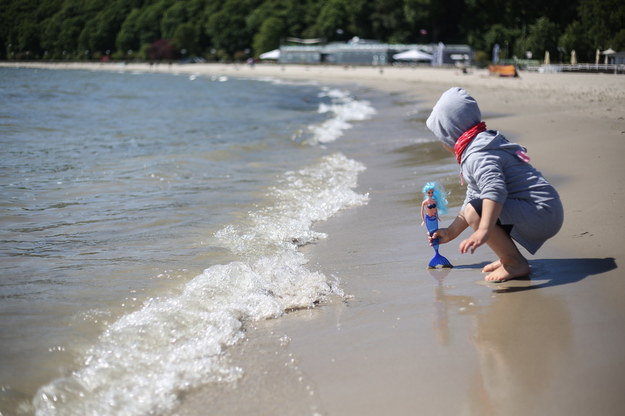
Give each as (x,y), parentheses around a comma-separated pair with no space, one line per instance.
(435,201)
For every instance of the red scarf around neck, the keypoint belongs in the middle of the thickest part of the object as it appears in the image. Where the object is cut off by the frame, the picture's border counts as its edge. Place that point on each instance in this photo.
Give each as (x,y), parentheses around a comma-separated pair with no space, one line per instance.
(466,138)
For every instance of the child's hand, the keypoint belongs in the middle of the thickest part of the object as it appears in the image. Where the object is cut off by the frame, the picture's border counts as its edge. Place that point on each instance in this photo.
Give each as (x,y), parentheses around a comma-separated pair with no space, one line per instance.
(476,239)
(442,234)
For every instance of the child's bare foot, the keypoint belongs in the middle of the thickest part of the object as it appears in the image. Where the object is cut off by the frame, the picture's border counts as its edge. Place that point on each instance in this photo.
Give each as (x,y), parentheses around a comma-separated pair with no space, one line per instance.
(509,271)
(492,267)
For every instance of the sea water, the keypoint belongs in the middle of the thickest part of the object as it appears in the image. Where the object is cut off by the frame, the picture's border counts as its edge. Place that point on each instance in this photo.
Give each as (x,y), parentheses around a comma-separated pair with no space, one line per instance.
(147,219)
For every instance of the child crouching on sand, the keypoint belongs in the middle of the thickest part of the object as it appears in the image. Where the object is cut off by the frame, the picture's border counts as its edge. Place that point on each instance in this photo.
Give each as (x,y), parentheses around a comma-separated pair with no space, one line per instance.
(506,197)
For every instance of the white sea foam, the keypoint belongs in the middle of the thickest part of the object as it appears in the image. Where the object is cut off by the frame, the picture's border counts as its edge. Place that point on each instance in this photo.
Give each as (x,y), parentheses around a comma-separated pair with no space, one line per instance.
(301,197)
(344,109)
(284,81)
(142,362)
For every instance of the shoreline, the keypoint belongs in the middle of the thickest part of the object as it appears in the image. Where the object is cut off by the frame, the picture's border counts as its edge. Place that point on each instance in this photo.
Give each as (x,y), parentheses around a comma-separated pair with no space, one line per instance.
(585,86)
(411,341)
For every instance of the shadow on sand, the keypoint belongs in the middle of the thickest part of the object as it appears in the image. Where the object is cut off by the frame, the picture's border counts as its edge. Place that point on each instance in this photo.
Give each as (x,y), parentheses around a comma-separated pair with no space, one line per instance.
(554,272)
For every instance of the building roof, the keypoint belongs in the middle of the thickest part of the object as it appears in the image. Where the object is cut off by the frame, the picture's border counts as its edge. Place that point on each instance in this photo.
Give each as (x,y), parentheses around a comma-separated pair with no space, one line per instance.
(370,46)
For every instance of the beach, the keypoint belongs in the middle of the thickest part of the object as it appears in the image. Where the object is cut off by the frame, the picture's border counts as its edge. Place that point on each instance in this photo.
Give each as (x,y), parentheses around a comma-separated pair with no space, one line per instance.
(406,340)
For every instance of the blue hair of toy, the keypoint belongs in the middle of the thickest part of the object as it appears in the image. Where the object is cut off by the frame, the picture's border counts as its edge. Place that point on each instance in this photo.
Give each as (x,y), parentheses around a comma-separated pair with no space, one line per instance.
(439,195)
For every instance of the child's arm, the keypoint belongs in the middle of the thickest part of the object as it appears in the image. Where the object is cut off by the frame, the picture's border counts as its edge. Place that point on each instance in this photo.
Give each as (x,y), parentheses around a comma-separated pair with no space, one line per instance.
(445,235)
(490,213)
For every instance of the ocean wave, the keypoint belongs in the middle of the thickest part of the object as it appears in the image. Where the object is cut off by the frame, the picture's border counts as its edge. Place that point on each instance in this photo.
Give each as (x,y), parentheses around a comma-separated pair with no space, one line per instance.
(343,109)
(301,198)
(144,360)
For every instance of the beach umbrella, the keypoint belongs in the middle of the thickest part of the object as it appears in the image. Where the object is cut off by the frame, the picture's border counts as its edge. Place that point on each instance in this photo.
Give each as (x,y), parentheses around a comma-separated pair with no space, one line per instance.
(547,60)
(607,53)
(573,57)
(274,54)
(412,55)
(597,54)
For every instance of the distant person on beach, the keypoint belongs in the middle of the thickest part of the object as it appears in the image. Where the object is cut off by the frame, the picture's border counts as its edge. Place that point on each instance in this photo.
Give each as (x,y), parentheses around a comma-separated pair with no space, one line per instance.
(507,198)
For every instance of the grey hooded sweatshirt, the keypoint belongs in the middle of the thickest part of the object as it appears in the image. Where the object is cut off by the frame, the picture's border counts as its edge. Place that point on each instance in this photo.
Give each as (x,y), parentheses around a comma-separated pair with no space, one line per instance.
(493,169)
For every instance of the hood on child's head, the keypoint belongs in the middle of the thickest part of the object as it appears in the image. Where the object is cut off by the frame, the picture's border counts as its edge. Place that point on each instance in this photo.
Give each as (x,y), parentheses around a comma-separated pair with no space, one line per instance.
(454,113)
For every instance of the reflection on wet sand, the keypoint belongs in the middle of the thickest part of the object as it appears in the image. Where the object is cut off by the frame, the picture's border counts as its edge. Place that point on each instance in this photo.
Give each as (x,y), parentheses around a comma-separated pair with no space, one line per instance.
(443,302)
(520,338)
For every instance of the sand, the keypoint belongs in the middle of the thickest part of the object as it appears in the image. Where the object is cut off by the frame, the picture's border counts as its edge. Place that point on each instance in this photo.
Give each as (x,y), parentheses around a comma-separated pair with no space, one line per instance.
(409,341)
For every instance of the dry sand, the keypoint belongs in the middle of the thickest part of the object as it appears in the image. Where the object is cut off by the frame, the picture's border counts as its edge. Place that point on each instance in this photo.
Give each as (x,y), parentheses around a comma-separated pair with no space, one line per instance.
(408,341)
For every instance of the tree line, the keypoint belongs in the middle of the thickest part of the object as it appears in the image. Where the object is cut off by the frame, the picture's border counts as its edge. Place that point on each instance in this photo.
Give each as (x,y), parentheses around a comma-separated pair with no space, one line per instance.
(228,30)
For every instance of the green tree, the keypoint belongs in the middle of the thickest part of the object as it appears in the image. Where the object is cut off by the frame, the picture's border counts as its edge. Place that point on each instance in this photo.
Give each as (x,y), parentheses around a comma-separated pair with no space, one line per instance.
(298,15)
(149,21)
(332,17)
(50,39)
(618,41)
(69,34)
(128,37)
(417,15)
(28,40)
(268,37)
(602,20)
(110,23)
(388,21)
(542,36)
(575,38)
(502,35)
(68,28)
(99,34)
(186,38)
(173,17)
(267,9)
(228,29)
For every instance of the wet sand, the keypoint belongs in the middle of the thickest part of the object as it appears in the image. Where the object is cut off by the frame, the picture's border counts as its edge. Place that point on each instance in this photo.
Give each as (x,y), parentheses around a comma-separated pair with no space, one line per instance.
(410,341)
